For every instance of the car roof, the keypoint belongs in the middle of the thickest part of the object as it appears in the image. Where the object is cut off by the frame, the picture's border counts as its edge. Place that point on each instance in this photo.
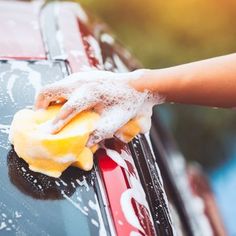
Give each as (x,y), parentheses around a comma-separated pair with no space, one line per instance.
(14,39)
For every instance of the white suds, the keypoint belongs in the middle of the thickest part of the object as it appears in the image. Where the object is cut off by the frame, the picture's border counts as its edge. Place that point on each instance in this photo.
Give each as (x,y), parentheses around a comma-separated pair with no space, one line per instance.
(66,158)
(81,13)
(3,225)
(117,158)
(75,204)
(10,85)
(135,192)
(94,206)
(134,233)
(106,38)
(95,47)
(34,77)
(4,128)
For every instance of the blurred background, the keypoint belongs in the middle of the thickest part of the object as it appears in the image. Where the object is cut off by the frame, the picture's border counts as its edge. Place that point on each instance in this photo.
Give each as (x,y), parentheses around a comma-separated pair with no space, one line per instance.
(166,33)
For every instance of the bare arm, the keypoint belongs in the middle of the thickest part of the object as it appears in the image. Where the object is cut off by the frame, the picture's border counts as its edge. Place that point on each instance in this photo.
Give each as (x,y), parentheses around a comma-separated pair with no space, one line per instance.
(120,97)
(209,82)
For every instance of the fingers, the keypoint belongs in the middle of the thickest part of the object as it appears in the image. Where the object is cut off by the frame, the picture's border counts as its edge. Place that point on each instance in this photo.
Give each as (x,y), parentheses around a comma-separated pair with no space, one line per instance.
(60,90)
(49,94)
(82,99)
(64,117)
(111,120)
(41,101)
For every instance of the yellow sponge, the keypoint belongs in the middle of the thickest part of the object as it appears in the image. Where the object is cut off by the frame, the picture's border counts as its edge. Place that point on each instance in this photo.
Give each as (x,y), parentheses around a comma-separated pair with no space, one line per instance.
(51,154)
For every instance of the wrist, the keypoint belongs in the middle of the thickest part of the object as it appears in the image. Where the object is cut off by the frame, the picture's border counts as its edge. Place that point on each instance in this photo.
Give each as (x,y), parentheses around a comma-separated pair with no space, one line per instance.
(138,79)
(163,82)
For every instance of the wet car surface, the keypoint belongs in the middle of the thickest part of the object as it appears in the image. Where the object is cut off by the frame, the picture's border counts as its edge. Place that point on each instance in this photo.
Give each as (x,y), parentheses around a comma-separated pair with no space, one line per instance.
(32,202)
(78,201)
(124,194)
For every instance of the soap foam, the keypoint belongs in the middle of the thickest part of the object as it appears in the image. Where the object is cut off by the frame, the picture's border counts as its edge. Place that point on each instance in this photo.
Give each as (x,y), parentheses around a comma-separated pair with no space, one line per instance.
(67,158)
(137,193)
(121,103)
(109,94)
(46,127)
(117,158)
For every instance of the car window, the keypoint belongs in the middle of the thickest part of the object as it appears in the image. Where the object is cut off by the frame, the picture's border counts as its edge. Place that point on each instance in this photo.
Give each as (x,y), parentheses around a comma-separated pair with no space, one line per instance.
(29,201)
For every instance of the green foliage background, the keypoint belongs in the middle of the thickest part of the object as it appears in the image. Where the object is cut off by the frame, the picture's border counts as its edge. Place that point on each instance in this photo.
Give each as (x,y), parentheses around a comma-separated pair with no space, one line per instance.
(162,33)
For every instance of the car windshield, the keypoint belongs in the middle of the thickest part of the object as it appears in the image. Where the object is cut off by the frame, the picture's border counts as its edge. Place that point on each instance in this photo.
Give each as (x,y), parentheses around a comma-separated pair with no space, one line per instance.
(29,201)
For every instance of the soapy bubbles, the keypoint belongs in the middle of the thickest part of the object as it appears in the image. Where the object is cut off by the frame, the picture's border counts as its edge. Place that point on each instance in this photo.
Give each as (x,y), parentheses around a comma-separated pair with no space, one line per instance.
(107,93)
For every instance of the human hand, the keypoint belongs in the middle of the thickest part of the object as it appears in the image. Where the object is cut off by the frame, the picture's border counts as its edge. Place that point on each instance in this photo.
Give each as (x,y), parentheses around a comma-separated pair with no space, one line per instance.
(107,93)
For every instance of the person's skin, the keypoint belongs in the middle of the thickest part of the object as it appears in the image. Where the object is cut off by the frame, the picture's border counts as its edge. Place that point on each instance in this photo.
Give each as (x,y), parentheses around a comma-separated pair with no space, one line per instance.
(209,82)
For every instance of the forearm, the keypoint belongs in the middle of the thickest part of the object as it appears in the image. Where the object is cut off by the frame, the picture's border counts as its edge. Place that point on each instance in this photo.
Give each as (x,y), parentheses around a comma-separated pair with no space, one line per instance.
(209,82)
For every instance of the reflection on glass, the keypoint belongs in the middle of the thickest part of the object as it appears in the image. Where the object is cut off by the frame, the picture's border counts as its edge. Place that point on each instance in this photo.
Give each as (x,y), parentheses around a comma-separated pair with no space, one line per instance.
(40,186)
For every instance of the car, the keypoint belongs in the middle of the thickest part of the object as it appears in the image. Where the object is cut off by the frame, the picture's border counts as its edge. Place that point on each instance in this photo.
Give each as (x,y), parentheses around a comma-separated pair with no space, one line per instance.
(140,188)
